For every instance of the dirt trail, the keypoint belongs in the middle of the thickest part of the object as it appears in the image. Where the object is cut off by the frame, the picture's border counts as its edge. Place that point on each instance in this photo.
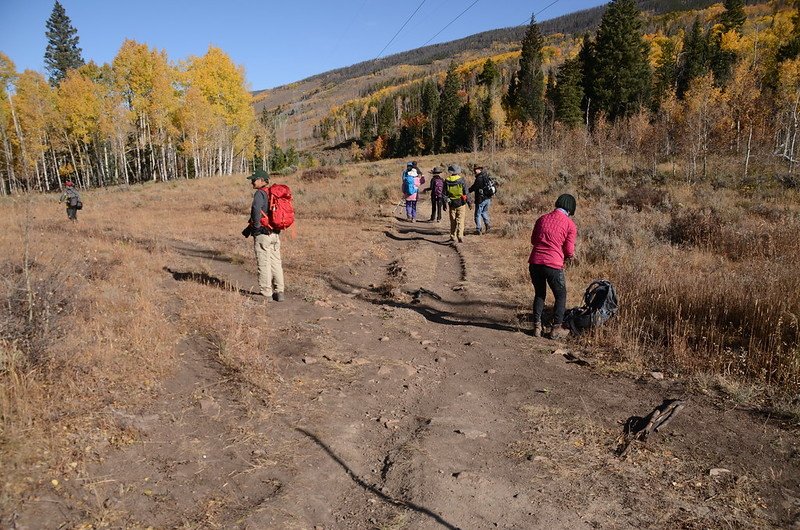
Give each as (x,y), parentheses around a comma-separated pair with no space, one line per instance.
(411,399)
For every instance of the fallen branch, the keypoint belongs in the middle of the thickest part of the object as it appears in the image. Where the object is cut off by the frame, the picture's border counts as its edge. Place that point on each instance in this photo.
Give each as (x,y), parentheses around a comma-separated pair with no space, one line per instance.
(638,428)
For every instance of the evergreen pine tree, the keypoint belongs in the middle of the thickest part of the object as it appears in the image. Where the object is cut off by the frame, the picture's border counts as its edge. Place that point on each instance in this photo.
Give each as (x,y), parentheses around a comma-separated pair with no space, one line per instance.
(448,109)
(430,108)
(622,77)
(587,66)
(791,49)
(722,61)
(62,52)
(528,98)
(694,62)
(490,75)
(734,16)
(568,93)
(665,76)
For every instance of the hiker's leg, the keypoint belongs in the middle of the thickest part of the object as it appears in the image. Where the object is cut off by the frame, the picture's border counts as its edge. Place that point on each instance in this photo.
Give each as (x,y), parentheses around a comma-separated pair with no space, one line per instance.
(451,213)
(478,207)
(461,214)
(485,213)
(558,284)
(260,243)
(275,263)
(414,209)
(439,207)
(408,209)
(539,282)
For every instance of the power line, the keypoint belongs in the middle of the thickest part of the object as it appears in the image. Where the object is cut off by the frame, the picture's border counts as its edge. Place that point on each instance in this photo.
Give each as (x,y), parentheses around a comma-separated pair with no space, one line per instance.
(451,22)
(401,29)
(342,34)
(548,6)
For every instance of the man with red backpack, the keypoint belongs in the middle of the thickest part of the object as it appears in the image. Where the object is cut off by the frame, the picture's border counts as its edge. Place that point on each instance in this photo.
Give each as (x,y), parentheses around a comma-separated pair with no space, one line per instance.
(266,234)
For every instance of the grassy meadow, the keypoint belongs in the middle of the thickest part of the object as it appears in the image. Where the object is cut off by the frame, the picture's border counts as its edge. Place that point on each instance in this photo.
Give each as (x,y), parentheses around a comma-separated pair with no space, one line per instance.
(708,279)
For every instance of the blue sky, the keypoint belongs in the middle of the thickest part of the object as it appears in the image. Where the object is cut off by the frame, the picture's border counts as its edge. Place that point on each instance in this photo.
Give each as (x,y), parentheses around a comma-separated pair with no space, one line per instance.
(277,42)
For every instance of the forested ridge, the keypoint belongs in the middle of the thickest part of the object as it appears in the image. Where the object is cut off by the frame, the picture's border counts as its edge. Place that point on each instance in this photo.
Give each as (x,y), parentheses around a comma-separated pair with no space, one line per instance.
(679,88)
(720,79)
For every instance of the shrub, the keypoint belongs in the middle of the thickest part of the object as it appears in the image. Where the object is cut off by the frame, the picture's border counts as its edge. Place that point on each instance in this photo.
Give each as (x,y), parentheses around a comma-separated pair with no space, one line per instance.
(526,204)
(643,196)
(320,173)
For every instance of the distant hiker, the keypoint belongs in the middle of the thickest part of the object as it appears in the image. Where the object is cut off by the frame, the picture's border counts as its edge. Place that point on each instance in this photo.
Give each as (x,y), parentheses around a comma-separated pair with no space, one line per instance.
(437,194)
(412,180)
(483,188)
(553,240)
(72,199)
(455,190)
(266,240)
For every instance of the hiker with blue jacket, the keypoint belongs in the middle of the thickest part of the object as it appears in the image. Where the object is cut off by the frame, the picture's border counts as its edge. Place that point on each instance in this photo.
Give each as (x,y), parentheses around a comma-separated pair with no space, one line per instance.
(483,190)
(436,188)
(552,242)
(412,180)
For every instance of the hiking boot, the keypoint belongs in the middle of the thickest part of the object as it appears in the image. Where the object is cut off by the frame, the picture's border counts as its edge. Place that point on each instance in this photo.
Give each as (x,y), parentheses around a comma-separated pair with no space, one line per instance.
(537,329)
(486,228)
(559,333)
(278,297)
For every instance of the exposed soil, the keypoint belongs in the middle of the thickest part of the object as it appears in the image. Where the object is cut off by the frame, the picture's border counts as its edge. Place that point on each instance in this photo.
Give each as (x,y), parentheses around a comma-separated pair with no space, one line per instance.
(411,396)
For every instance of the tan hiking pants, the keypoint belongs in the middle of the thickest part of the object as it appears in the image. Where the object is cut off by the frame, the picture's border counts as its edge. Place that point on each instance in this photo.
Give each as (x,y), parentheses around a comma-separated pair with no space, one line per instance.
(270,268)
(458,217)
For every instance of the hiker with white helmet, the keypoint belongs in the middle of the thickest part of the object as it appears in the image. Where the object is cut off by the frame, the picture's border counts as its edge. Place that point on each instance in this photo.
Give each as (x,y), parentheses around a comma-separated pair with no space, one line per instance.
(553,242)
(412,180)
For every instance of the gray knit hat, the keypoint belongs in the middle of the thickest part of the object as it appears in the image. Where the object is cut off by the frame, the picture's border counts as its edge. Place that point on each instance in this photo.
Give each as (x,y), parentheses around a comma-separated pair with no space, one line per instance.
(454,169)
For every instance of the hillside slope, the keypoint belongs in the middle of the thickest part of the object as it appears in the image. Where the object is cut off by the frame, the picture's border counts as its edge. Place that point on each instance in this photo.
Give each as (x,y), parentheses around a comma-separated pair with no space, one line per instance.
(300,106)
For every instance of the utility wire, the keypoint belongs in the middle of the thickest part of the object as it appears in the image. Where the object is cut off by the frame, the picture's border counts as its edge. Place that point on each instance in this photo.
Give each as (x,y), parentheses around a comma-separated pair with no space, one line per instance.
(342,34)
(401,28)
(548,6)
(451,22)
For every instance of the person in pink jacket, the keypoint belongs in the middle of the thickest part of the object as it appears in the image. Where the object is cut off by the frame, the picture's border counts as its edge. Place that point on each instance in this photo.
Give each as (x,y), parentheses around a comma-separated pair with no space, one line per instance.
(553,241)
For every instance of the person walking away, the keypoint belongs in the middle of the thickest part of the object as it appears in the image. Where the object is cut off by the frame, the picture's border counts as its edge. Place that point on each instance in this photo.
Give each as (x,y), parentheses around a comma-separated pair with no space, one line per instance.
(436,188)
(483,199)
(266,241)
(553,241)
(412,180)
(72,199)
(455,190)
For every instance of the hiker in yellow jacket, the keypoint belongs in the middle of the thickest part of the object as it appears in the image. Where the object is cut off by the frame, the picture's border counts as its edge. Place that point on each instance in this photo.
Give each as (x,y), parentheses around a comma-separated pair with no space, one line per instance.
(457,200)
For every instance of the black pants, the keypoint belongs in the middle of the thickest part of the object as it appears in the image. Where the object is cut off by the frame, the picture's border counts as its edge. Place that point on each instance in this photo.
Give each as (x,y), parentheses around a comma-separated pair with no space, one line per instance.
(72,213)
(541,276)
(436,208)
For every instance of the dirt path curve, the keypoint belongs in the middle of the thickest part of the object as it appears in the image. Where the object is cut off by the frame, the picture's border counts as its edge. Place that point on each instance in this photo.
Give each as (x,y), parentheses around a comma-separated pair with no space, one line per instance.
(410,399)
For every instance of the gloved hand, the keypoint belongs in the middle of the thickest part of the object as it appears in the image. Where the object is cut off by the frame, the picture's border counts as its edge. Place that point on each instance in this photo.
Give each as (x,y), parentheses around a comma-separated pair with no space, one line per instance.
(248,231)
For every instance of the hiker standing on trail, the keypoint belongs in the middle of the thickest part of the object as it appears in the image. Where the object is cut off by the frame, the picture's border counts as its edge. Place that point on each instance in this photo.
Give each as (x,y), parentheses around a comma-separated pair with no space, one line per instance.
(483,199)
(455,191)
(553,241)
(412,180)
(437,194)
(73,200)
(267,242)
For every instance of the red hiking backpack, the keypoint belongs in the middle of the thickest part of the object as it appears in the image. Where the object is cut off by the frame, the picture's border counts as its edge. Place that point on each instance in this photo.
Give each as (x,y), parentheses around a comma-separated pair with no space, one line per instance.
(280,214)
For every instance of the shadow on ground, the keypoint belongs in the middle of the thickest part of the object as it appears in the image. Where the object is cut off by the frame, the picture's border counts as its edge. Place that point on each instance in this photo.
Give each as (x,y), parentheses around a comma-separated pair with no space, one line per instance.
(371,488)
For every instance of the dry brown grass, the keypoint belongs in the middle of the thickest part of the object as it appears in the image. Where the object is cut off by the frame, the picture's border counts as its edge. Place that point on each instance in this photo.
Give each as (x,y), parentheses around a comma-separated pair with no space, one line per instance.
(708,286)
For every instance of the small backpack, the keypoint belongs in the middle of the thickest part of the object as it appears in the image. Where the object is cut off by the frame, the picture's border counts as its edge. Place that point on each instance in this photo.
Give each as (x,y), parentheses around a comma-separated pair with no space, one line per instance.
(280,211)
(599,304)
(409,186)
(489,188)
